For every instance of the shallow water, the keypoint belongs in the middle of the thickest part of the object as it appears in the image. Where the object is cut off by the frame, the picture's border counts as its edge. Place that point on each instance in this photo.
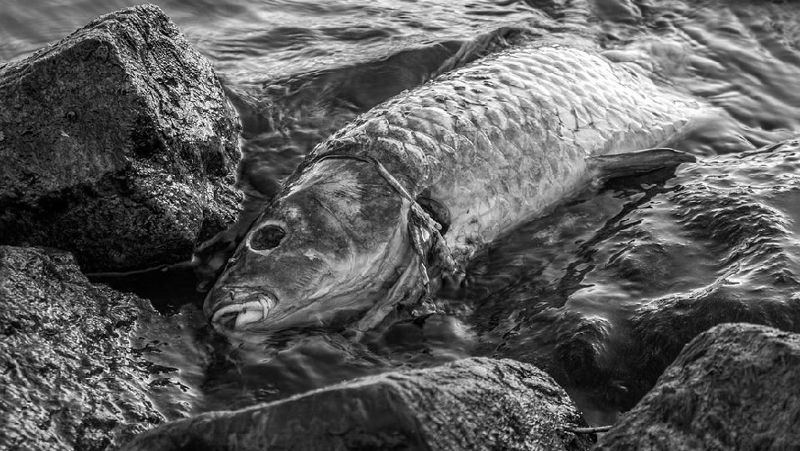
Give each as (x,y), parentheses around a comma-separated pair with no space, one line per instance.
(602,292)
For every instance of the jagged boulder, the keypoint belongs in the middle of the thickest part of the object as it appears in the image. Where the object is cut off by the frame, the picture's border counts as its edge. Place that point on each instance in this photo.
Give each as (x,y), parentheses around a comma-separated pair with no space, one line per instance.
(476,403)
(117,143)
(733,387)
(70,377)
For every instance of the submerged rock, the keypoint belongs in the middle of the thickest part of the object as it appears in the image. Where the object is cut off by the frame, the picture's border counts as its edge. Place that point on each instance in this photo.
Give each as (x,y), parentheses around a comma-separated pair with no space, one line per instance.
(69,378)
(740,211)
(733,387)
(605,293)
(118,144)
(468,404)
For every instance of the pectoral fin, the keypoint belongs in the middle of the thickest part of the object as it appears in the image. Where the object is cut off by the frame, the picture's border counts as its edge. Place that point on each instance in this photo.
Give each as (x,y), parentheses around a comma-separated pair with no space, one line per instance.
(640,162)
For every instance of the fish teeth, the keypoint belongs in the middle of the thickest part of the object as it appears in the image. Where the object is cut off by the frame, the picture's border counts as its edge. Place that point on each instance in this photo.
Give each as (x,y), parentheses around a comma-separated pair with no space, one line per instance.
(225,310)
(247,317)
(266,305)
(247,312)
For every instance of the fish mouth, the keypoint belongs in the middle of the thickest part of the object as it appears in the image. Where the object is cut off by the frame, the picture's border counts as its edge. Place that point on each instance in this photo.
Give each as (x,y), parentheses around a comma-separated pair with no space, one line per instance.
(243,310)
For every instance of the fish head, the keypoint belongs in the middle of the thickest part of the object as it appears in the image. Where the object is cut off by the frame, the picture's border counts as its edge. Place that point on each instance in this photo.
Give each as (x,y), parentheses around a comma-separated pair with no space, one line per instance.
(326,249)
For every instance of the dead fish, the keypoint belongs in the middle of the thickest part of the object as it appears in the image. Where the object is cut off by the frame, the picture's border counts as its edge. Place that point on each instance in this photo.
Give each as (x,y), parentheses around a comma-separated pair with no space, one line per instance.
(412,188)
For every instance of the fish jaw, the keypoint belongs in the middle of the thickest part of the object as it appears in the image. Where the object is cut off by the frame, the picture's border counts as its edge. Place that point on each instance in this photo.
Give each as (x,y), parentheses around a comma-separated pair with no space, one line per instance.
(240,309)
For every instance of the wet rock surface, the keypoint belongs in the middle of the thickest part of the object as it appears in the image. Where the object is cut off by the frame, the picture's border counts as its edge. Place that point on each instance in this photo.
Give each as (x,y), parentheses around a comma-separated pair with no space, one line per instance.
(118,144)
(604,293)
(606,300)
(475,403)
(69,375)
(733,387)
(742,211)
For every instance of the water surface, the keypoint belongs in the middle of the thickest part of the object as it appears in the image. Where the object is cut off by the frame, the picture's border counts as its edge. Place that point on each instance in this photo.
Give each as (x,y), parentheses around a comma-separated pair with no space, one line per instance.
(602,292)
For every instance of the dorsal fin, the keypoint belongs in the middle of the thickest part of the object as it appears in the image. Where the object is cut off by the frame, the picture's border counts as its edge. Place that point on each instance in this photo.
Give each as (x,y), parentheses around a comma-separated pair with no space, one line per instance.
(631,163)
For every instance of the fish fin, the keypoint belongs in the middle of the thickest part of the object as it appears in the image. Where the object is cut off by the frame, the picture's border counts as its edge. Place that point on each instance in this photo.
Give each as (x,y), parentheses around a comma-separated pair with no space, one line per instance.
(437,211)
(631,163)
(487,44)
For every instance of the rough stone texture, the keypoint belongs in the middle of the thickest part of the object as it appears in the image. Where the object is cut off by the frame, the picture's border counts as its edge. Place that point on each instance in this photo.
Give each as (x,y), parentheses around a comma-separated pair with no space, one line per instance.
(733,387)
(68,376)
(469,404)
(117,143)
(663,256)
(739,214)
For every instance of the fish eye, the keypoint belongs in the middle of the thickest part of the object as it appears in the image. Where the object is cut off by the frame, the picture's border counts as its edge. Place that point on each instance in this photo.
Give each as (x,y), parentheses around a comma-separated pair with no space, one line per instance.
(267,237)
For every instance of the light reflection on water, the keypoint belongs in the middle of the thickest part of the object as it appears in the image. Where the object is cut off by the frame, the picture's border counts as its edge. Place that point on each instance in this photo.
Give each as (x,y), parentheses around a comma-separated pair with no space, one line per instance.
(252,40)
(578,293)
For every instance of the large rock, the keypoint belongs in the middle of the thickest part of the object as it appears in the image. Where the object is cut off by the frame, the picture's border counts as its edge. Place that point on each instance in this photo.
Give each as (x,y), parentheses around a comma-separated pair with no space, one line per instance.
(117,143)
(469,404)
(733,387)
(69,378)
(604,293)
(740,213)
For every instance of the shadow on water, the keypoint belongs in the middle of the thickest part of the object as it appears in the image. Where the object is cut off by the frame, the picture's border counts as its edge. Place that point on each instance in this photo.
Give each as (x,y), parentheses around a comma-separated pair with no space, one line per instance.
(602,293)
(167,287)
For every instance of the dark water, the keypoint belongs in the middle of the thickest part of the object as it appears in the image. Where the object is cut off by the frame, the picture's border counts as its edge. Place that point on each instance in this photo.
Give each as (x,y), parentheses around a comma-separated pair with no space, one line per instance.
(603,292)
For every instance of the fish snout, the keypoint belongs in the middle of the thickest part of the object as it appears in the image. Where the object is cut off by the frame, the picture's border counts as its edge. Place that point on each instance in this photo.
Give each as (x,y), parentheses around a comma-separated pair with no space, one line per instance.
(241,309)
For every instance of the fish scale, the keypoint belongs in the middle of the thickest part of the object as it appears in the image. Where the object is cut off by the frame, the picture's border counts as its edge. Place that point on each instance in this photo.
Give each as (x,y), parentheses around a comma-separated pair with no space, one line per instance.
(503,139)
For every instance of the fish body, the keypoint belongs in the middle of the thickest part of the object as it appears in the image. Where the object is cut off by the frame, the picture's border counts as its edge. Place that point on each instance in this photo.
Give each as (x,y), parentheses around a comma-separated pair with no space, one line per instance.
(501,141)
(494,143)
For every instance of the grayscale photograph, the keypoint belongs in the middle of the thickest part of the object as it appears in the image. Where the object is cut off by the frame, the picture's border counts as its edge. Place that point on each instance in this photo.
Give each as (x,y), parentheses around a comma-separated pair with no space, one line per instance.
(240,225)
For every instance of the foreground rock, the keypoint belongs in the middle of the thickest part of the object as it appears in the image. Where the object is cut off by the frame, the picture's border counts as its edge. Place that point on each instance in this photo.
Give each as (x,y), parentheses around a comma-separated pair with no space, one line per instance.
(68,376)
(733,387)
(117,143)
(469,404)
